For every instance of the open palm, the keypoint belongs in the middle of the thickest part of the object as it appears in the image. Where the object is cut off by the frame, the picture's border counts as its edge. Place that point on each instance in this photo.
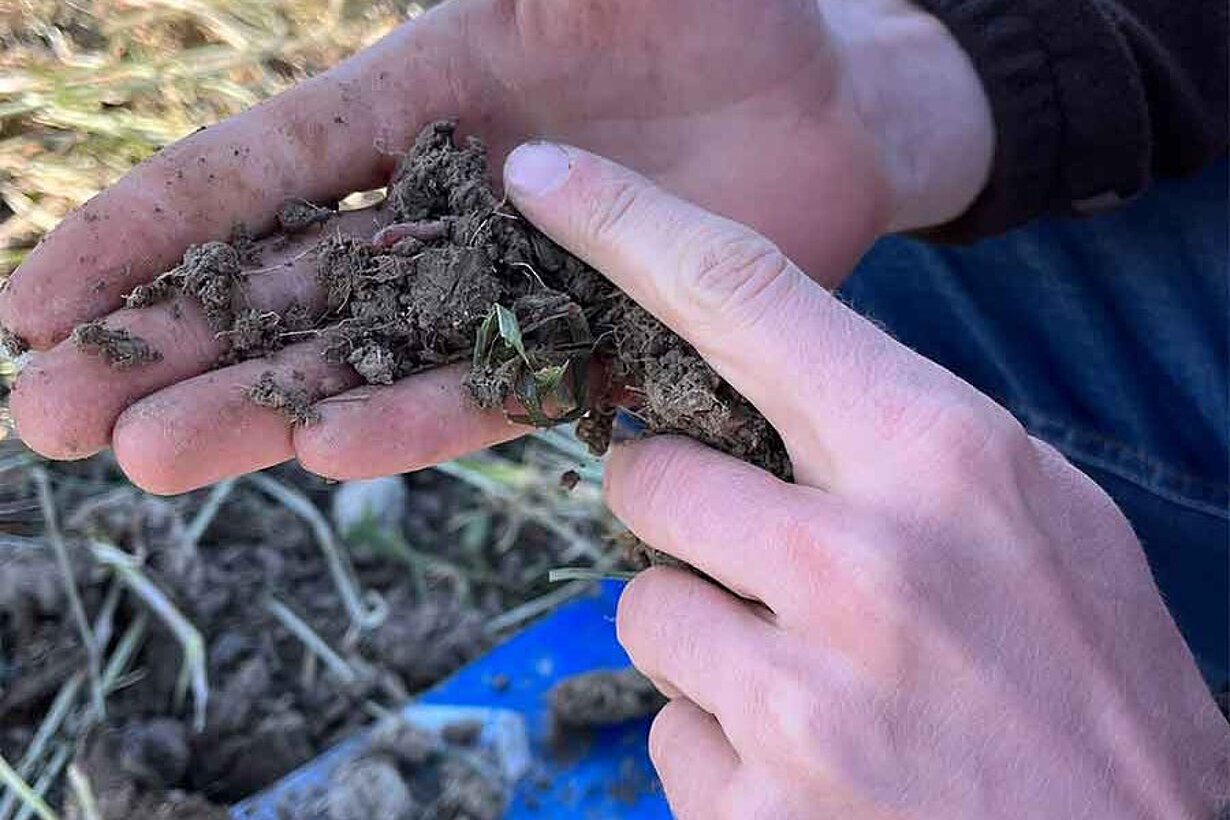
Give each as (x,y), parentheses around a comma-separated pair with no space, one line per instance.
(737,104)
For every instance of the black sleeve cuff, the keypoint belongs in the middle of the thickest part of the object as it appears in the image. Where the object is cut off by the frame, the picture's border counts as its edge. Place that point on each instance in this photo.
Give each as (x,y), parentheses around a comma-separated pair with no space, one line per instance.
(1072,131)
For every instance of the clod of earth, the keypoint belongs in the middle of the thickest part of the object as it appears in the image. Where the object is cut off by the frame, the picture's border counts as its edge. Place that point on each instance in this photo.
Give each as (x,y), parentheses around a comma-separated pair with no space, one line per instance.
(120,348)
(459,275)
(297,215)
(602,699)
(297,403)
(11,344)
(407,773)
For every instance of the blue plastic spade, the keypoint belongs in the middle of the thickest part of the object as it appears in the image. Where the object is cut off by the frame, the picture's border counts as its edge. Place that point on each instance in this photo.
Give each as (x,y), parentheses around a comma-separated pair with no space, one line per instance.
(605,774)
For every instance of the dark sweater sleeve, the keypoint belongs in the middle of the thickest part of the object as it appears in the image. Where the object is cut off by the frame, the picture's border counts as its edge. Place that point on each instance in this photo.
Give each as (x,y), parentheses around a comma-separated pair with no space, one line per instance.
(1091,99)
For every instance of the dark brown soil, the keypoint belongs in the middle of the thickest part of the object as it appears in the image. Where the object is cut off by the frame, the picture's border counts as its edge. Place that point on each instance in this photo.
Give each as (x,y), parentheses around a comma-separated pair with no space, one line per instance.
(272,704)
(461,276)
(295,402)
(603,699)
(127,770)
(297,215)
(11,344)
(407,774)
(120,348)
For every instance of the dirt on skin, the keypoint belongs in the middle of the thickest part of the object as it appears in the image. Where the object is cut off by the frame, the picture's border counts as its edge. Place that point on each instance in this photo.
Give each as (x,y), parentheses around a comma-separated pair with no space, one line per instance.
(120,348)
(603,699)
(11,344)
(295,402)
(461,276)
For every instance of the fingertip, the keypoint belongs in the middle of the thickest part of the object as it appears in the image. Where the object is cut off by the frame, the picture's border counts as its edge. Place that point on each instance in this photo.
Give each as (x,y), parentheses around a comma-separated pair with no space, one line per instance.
(536,169)
(641,596)
(46,423)
(317,447)
(141,451)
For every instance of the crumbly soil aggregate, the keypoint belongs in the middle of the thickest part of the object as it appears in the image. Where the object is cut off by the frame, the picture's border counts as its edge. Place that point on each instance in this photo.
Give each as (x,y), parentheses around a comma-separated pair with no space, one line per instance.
(272,707)
(459,275)
(11,344)
(298,215)
(294,401)
(119,348)
(408,773)
(603,698)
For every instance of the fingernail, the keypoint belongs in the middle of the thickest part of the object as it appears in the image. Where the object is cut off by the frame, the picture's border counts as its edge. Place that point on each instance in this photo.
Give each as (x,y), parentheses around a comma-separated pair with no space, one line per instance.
(537,168)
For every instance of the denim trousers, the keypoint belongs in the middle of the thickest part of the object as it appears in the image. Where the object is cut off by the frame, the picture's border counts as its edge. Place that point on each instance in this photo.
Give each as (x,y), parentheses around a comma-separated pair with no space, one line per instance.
(1110,339)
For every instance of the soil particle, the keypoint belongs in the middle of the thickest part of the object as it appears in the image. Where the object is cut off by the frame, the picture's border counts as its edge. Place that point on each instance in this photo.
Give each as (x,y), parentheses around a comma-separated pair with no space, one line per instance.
(370,788)
(424,642)
(244,762)
(463,732)
(104,758)
(31,587)
(297,404)
(603,698)
(211,273)
(253,332)
(297,215)
(406,744)
(466,793)
(155,753)
(11,344)
(120,348)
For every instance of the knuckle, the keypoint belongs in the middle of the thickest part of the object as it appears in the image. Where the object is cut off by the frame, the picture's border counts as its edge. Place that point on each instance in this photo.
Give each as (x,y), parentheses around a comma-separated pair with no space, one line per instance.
(801,544)
(969,445)
(733,272)
(792,713)
(646,479)
(611,207)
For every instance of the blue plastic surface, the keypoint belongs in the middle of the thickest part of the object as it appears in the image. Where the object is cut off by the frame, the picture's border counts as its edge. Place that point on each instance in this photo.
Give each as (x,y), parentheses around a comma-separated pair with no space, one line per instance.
(608,774)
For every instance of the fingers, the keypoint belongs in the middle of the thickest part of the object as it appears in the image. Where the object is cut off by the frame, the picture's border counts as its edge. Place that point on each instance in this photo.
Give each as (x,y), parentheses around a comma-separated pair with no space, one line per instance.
(699,639)
(750,531)
(66,400)
(319,141)
(821,375)
(208,428)
(48,401)
(415,423)
(695,761)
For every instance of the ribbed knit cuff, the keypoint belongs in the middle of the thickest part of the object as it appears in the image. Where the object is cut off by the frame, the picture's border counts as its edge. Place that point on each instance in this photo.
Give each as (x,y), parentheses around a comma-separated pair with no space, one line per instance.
(1070,114)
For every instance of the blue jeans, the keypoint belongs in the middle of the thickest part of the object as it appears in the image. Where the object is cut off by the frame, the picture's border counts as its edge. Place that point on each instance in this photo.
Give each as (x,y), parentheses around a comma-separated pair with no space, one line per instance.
(1110,339)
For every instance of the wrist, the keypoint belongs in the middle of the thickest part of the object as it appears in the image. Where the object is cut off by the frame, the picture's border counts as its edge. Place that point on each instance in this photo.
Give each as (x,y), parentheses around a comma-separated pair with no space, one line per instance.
(918,93)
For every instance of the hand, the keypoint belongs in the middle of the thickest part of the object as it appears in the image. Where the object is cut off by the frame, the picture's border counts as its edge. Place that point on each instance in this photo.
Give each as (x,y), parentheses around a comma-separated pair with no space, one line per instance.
(941,619)
(863,113)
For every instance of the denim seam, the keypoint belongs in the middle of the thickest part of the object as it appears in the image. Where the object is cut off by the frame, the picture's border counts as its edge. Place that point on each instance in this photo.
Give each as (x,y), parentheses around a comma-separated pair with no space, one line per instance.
(1125,462)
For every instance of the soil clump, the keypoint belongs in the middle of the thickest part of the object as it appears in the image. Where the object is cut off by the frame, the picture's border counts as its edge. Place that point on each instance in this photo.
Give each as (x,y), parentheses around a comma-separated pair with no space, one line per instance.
(460,275)
(120,348)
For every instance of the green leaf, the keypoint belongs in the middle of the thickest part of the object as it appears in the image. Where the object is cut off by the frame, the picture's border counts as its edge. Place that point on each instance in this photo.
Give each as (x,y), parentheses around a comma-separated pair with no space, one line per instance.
(486,335)
(510,330)
(549,378)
